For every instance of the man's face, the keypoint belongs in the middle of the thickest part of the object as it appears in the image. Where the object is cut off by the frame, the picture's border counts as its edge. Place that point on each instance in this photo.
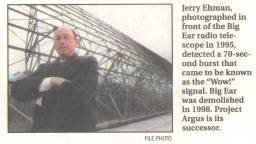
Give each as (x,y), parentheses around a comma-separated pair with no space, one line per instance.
(65,42)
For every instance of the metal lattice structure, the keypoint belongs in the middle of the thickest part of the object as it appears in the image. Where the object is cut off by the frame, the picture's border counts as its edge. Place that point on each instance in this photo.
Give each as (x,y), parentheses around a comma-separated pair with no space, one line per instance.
(134,82)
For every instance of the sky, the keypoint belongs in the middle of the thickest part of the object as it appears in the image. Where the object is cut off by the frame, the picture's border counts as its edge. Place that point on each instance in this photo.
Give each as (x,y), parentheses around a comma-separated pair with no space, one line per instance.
(150,25)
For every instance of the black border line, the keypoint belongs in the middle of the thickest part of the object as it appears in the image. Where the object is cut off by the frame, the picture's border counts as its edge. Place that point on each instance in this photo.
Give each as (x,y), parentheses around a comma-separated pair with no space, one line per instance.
(108,4)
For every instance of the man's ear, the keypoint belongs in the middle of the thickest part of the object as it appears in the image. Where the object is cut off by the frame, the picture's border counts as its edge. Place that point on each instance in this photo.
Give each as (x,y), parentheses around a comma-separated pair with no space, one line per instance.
(77,41)
(53,46)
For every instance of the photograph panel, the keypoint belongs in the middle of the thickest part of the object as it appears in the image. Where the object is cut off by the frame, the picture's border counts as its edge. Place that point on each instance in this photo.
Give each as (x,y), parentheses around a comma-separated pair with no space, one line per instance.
(133,48)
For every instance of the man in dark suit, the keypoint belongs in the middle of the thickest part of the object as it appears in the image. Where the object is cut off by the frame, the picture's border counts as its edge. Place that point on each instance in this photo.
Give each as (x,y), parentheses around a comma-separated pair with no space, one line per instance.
(63,90)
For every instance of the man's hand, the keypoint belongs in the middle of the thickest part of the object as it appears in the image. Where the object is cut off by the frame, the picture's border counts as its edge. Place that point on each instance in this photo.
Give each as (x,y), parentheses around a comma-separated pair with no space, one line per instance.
(57,81)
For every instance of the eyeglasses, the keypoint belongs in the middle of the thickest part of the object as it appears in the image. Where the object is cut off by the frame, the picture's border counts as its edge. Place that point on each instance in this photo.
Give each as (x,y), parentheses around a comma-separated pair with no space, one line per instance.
(64,38)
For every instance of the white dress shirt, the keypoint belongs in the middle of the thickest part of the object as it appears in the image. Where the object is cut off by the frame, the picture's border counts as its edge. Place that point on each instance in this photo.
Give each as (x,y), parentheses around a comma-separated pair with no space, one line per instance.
(44,86)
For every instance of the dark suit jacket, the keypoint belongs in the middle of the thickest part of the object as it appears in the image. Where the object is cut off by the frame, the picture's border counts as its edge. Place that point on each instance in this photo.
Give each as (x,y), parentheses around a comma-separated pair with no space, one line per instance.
(68,108)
